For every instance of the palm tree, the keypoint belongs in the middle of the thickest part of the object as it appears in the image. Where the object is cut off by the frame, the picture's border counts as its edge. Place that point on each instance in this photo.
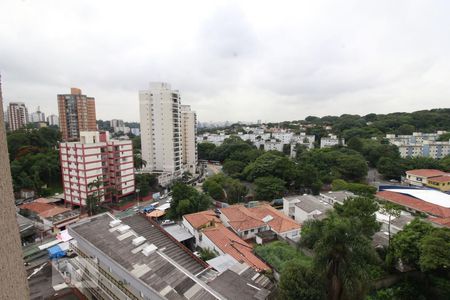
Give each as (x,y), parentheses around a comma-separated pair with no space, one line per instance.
(94,198)
(342,256)
(139,163)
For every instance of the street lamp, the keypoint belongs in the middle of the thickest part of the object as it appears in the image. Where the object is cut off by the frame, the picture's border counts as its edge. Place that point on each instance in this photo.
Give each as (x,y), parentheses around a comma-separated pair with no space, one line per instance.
(137,192)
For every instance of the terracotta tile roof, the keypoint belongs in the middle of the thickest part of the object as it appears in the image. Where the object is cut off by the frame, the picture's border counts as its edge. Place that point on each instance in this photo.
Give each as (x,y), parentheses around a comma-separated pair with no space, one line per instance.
(442,178)
(53,212)
(440,221)
(37,207)
(44,210)
(414,203)
(426,172)
(42,200)
(280,223)
(243,218)
(231,244)
(202,218)
(240,218)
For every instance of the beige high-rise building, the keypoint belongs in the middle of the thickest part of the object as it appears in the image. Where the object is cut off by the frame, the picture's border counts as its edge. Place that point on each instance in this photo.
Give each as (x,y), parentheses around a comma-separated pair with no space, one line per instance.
(13,284)
(17,115)
(76,114)
(160,117)
(188,137)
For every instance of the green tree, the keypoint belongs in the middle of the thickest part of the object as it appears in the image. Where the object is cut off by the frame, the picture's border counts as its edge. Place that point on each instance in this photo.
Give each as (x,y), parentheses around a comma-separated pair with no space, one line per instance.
(355,143)
(233,168)
(146,183)
(94,196)
(405,245)
(213,189)
(269,187)
(392,210)
(361,210)
(139,163)
(300,282)
(271,163)
(343,256)
(406,129)
(207,254)
(186,200)
(205,149)
(390,168)
(434,250)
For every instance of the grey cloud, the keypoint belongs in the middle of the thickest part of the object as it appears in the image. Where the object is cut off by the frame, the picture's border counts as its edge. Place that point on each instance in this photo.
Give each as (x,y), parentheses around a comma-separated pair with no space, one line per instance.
(232,60)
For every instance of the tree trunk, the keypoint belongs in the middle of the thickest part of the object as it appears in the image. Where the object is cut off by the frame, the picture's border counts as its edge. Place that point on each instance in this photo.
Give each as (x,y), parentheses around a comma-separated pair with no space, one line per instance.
(335,288)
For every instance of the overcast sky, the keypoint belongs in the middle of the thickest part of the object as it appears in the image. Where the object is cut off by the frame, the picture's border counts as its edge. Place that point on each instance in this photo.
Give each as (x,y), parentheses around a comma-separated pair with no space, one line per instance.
(231,60)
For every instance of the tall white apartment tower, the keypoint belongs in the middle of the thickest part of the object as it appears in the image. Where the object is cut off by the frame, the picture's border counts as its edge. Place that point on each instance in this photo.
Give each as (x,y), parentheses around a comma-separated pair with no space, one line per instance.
(160,116)
(188,136)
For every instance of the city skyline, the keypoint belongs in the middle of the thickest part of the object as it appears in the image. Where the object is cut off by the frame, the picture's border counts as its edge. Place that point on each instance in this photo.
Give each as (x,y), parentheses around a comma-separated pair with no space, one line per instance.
(232,61)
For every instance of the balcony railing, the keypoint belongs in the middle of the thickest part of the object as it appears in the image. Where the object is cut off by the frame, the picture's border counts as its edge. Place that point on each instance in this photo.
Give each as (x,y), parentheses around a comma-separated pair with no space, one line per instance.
(108,276)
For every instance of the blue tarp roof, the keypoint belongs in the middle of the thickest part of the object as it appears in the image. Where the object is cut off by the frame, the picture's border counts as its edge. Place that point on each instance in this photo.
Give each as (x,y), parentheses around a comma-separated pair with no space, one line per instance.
(55,252)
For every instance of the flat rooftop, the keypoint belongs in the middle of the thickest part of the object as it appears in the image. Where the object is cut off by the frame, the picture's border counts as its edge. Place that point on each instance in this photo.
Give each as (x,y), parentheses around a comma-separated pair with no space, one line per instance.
(159,270)
(310,203)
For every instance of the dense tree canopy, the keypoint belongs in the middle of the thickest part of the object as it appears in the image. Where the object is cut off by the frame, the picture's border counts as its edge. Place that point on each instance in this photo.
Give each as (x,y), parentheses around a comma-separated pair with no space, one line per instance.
(186,200)
(35,159)
(300,282)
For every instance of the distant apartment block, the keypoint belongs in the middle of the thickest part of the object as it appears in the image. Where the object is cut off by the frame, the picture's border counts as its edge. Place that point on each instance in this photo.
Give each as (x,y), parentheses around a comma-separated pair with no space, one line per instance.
(96,157)
(53,120)
(76,114)
(17,115)
(37,116)
(266,141)
(188,137)
(116,123)
(420,144)
(166,128)
(331,140)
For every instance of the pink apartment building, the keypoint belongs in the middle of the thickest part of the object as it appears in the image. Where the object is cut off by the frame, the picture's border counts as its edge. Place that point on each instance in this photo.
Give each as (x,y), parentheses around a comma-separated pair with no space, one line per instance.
(96,157)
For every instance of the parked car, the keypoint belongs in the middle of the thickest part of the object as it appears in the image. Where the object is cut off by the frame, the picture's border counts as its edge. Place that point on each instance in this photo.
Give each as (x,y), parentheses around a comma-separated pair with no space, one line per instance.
(167,222)
(148,208)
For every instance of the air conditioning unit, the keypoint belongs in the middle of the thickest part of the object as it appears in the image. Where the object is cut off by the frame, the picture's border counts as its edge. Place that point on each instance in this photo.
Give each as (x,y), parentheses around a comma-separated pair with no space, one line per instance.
(139,240)
(123,228)
(114,223)
(149,249)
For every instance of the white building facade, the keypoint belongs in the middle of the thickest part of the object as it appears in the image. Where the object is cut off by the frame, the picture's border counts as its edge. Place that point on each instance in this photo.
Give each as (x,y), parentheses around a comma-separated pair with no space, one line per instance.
(188,137)
(53,120)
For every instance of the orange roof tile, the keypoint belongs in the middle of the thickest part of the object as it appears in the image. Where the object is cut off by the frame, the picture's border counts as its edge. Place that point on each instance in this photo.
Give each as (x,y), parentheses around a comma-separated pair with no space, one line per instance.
(233,245)
(37,207)
(426,172)
(53,212)
(240,218)
(440,221)
(414,203)
(44,210)
(243,218)
(442,178)
(280,223)
(202,218)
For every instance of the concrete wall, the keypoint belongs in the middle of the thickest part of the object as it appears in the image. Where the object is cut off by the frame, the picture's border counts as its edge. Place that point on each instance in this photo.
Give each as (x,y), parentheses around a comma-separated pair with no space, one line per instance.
(13,284)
